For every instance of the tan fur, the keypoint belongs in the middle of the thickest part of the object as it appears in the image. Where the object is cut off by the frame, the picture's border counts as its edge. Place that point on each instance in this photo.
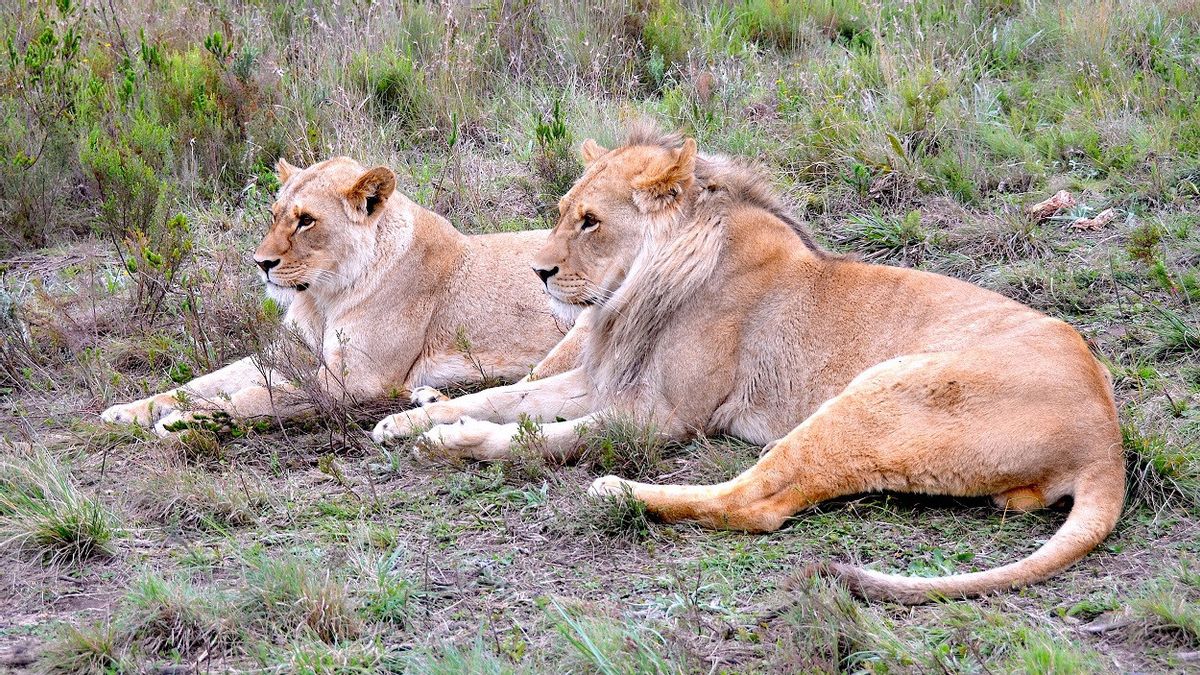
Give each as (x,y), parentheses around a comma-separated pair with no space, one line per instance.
(384,292)
(715,314)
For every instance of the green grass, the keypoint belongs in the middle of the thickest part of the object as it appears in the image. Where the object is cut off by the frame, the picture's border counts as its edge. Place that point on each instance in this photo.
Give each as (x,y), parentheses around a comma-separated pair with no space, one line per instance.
(136,157)
(44,511)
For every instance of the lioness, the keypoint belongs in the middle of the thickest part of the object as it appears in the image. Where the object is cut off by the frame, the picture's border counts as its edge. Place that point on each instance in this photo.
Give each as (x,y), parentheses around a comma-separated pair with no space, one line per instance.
(715,312)
(385,291)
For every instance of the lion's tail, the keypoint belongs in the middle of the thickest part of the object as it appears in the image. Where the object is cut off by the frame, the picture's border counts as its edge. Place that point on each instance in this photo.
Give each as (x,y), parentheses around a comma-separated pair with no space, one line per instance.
(1099,496)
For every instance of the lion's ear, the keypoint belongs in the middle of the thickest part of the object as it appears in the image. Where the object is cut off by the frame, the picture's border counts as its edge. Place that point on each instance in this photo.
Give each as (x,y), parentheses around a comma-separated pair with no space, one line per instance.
(285,171)
(372,189)
(664,180)
(591,151)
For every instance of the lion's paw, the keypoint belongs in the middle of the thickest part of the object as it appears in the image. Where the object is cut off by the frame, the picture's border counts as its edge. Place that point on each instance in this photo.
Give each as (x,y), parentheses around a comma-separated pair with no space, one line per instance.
(143,413)
(467,437)
(423,396)
(609,486)
(392,427)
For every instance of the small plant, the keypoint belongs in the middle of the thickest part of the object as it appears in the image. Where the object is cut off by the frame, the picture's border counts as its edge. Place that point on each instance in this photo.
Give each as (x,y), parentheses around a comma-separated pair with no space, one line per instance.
(554,159)
(615,517)
(527,460)
(1144,242)
(43,510)
(391,596)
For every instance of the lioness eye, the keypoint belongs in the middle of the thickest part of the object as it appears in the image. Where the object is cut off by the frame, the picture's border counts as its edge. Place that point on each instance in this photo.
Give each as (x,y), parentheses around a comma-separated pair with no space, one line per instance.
(589,221)
(305,221)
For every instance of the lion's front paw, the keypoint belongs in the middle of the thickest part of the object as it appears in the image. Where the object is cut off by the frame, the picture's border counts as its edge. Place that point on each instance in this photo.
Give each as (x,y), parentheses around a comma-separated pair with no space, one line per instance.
(609,486)
(466,438)
(423,396)
(400,425)
(143,413)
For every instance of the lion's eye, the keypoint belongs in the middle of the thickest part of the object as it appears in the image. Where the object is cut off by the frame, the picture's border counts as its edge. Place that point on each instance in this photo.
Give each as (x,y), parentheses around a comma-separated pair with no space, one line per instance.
(304,222)
(589,221)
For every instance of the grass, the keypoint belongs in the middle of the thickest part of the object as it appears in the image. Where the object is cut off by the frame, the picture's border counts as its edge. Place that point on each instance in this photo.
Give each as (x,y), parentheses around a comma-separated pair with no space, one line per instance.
(136,149)
(42,510)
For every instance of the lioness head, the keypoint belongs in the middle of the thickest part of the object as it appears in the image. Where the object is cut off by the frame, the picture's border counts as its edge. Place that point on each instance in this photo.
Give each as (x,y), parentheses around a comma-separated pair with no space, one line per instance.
(605,216)
(323,224)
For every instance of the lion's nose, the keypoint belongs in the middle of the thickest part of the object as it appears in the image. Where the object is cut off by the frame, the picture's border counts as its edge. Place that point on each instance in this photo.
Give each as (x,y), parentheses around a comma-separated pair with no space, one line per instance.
(545,274)
(266,265)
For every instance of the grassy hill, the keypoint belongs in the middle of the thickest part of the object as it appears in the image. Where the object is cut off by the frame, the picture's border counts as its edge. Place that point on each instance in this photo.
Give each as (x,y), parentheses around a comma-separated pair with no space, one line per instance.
(136,146)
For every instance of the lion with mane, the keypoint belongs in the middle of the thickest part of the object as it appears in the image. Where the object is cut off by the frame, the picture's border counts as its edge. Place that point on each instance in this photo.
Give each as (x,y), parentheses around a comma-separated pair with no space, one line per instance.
(712,311)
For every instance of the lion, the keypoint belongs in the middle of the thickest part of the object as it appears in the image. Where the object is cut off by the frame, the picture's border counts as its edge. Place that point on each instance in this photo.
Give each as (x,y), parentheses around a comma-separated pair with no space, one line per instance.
(388,295)
(714,312)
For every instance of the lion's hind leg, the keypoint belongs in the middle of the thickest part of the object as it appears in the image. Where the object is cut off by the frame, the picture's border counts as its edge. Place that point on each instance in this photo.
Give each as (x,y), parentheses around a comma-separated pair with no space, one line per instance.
(928,423)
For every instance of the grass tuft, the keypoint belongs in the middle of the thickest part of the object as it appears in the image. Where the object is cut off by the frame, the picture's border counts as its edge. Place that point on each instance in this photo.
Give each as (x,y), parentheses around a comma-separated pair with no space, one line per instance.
(626,447)
(289,597)
(44,511)
(83,651)
(1160,474)
(172,616)
(614,517)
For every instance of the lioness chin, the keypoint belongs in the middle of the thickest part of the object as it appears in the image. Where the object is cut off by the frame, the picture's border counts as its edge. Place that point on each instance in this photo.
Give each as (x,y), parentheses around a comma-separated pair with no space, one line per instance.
(387,295)
(714,312)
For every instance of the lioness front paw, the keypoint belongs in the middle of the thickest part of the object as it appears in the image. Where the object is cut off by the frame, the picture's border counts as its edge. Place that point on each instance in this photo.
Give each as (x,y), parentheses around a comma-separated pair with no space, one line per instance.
(423,396)
(610,486)
(143,413)
(400,425)
(467,437)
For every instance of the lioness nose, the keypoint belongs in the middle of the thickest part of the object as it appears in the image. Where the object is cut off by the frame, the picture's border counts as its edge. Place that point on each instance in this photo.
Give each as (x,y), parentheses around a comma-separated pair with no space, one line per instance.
(266,265)
(545,274)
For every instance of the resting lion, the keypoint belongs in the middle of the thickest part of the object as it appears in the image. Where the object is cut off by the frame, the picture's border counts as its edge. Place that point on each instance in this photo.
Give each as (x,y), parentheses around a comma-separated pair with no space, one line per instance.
(716,313)
(385,291)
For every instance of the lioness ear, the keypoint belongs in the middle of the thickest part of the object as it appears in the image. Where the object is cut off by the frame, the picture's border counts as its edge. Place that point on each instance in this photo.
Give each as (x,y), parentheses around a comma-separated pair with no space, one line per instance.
(285,171)
(591,151)
(663,180)
(372,189)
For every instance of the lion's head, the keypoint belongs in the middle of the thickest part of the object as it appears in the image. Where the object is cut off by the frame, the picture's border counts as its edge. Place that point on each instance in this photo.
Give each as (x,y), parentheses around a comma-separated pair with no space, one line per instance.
(323,224)
(604,217)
